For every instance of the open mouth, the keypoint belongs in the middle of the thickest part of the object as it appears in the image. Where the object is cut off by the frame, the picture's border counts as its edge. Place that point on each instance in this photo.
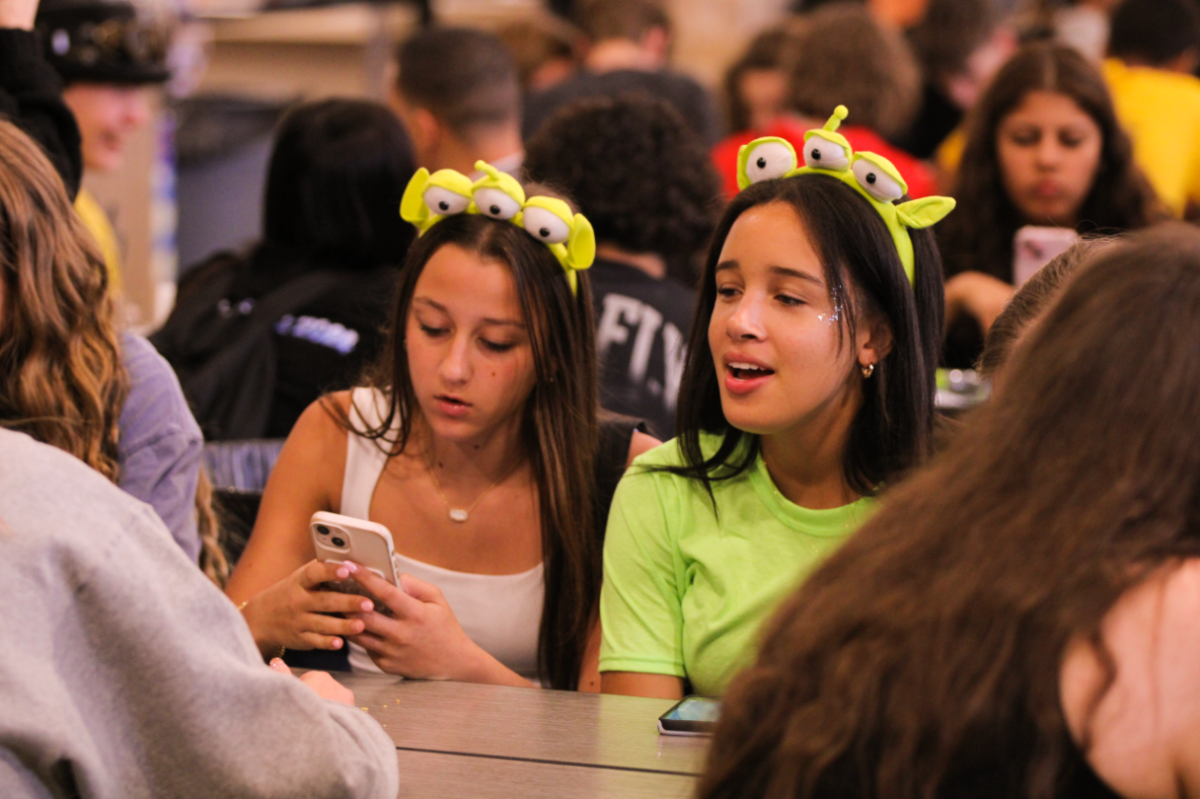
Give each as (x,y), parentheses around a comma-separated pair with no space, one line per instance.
(748,371)
(452,401)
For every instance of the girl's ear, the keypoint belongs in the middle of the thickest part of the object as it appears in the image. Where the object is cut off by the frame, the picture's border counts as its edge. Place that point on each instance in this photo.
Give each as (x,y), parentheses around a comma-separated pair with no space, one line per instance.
(874,340)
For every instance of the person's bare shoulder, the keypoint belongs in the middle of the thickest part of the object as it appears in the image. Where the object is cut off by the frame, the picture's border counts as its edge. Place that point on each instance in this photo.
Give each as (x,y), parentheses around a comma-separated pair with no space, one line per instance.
(1142,727)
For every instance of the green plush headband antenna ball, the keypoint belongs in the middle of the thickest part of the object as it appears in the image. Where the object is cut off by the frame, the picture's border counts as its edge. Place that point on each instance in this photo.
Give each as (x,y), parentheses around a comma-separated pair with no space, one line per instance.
(826,152)
(431,198)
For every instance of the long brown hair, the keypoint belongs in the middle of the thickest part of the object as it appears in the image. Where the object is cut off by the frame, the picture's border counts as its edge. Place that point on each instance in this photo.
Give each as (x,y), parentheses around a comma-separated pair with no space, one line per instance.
(979,234)
(922,660)
(61,378)
(559,429)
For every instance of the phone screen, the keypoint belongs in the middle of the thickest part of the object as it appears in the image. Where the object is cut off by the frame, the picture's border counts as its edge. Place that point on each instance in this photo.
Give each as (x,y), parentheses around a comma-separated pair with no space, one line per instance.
(694,715)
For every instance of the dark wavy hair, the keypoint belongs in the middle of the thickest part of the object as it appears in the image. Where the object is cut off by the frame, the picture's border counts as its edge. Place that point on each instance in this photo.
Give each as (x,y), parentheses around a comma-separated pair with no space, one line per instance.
(337,172)
(923,658)
(640,176)
(559,429)
(979,234)
(893,431)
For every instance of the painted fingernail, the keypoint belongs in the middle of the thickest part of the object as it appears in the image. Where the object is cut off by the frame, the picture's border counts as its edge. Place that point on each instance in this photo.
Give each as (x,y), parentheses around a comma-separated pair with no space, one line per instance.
(367,605)
(351,567)
(337,643)
(343,573)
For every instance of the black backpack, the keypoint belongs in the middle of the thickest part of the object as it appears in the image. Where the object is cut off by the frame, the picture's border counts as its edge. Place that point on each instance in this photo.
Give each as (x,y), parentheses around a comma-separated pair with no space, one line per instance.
(224,352)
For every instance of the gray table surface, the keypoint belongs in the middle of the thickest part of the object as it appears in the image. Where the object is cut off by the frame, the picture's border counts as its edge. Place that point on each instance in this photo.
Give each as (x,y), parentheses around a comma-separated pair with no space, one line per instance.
(431,775)
(575,733)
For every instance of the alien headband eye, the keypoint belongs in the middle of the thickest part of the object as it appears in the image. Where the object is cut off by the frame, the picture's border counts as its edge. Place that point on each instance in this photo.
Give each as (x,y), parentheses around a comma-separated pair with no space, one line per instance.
(827,152)
(431,198)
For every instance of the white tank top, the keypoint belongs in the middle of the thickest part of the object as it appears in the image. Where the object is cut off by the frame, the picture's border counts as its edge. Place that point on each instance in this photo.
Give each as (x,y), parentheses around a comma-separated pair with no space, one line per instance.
(500,613)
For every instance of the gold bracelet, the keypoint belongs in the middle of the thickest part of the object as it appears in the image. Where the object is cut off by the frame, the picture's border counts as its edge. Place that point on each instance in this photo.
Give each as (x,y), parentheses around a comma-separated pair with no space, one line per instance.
(282,649)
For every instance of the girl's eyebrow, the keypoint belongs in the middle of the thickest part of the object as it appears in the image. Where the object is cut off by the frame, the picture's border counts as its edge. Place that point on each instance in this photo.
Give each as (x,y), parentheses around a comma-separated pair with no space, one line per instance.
(786,272)
(437,306)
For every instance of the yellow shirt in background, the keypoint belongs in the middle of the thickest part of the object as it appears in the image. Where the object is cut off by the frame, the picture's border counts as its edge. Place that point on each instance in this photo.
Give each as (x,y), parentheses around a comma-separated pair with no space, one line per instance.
(94,218)
(1161,112)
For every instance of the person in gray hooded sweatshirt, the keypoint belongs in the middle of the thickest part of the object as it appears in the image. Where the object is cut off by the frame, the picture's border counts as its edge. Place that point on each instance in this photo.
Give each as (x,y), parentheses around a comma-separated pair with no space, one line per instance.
(127,673)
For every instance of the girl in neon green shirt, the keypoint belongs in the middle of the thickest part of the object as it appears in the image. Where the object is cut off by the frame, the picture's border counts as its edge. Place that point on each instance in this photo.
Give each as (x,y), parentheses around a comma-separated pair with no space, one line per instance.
(809,384)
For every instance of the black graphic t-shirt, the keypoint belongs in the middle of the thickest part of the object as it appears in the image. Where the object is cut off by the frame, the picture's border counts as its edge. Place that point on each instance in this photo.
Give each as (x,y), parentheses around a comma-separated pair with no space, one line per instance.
(642,327)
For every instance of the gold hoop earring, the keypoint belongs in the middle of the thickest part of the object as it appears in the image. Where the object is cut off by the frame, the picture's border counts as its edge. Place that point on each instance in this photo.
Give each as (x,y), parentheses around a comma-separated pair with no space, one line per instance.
(868,370)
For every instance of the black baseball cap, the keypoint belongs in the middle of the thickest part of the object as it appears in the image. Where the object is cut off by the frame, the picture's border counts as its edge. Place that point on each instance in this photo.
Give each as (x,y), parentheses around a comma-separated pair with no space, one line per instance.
(103,42)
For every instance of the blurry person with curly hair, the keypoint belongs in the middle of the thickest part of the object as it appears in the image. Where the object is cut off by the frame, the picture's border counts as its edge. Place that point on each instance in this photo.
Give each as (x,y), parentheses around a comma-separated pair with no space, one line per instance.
(841,55)
(643,179)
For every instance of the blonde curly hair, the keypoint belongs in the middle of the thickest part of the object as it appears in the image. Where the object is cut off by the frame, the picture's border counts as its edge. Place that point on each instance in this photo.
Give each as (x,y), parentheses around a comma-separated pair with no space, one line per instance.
(61,376)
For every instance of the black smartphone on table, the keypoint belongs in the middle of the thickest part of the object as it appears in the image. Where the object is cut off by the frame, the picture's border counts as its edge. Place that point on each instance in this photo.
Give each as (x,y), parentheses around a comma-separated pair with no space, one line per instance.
(693,715)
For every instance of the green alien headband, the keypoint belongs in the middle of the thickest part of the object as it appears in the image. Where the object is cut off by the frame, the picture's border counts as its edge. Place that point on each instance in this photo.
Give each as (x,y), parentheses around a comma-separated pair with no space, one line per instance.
(826,152)
(431,198)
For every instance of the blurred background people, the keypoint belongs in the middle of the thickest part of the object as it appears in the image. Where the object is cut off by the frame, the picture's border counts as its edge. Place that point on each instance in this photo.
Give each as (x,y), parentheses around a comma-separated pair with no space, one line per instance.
(843,56)
(628,45)
(544,49)
(899,14)
(107,53)
(1153,51)
(31,93)
(1019,618)
(1044,148)
(960,44)
(258,336)
(755,85)
(644,181)
(1082,24)
(459,96)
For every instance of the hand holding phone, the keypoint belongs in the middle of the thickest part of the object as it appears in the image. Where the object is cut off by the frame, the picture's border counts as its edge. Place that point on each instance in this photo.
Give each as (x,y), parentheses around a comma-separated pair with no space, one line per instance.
(298,614)
(338,538)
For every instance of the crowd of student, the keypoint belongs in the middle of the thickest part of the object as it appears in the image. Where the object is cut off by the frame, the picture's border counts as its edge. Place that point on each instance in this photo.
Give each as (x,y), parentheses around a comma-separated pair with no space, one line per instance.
(647,409)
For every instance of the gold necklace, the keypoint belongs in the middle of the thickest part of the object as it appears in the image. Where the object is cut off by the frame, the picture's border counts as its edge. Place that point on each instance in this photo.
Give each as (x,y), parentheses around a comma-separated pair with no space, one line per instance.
(460,515)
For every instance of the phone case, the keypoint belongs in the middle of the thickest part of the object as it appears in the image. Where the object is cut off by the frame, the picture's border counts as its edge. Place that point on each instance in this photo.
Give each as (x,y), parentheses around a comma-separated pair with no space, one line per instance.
(338,538)
(694,726)
(1034,247)
(683,733)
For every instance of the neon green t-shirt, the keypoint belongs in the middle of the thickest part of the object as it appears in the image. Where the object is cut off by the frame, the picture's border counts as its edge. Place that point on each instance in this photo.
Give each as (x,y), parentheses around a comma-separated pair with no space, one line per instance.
(686,590)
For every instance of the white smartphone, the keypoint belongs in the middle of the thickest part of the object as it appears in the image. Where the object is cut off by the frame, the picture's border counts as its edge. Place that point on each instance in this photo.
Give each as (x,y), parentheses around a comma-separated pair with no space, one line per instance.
(338,538)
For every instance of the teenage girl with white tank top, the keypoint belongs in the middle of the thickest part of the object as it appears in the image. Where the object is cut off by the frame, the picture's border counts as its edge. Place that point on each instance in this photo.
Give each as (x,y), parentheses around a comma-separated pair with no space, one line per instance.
(477,443)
